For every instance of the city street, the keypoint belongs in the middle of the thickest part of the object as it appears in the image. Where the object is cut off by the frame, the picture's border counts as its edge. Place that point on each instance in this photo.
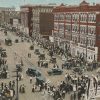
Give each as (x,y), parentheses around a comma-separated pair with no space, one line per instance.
(19,51)
(49,50)
(22,50)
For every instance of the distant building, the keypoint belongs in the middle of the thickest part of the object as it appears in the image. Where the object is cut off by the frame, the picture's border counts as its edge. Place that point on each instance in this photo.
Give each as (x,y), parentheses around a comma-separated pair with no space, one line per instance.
(26,19)
(5,13)
(79,28)
(30,18)
(7,9)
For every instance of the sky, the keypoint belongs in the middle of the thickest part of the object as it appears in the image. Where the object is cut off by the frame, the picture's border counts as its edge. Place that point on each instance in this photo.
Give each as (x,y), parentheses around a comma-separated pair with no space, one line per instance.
(18,3)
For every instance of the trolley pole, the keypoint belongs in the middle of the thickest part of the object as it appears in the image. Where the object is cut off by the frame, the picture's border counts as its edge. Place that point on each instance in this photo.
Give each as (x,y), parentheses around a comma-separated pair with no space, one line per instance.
(17,94)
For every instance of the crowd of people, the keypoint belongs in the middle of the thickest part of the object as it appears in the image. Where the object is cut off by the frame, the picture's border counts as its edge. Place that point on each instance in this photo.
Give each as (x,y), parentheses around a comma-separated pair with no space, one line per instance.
(7,90)
(76,86)
(3,64)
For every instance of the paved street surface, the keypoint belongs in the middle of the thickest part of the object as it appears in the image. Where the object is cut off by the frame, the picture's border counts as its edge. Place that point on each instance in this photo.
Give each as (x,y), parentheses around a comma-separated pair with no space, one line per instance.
(19,51)
(22,50)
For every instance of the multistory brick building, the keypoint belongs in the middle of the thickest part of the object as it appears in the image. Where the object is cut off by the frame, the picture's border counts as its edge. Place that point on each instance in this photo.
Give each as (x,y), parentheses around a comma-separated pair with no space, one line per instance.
(38,9)
(79,28)
(30,17)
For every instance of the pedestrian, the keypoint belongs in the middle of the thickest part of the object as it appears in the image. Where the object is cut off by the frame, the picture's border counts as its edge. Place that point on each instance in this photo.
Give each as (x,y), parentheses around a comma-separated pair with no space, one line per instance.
(66,77)
(30,55)
(30,80)
(39,63)
(23,88)
(13,84)
(33,88)
(10,85)
(2,85)
(20,88)
(63,94)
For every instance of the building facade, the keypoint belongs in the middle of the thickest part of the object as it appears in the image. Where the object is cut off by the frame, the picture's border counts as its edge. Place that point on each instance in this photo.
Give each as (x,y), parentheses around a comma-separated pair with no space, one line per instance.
(38,9)
(26,19)
(79,28)
(46,24)
(5,14)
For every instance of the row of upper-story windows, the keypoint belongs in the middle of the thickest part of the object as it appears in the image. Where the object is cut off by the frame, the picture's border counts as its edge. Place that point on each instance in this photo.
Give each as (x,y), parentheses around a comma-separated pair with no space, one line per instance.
(90,17)
(90,42)
(41,10)
(91,30)
(68,27)
(75,28)
(75,39)
(83,29)
(61,26)
(55,26)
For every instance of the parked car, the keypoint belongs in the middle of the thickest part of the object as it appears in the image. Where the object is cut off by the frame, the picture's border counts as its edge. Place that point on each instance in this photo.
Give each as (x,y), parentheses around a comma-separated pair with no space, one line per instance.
(33,72)
(40,80)
(55,71)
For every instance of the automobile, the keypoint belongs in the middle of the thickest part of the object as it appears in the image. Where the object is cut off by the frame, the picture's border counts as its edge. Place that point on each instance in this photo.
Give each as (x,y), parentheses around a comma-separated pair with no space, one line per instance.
(37,51)
(40,80)
(33,72)
(55,71)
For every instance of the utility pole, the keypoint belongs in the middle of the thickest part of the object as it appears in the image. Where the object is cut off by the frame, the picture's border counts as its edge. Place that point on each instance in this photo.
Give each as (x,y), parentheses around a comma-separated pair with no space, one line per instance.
(17,94)
(86,46)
